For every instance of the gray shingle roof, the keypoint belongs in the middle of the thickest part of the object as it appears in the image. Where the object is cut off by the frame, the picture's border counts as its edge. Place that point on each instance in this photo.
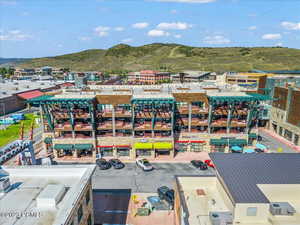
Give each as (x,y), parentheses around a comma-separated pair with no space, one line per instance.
(242,172)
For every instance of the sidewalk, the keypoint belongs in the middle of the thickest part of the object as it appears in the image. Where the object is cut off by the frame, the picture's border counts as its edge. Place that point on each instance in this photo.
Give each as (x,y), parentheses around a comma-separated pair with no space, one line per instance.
(280,139)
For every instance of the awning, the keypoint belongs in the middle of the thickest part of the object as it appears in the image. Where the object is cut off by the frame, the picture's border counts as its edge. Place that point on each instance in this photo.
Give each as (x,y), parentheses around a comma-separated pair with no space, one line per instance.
(48,140)
(261,146)
(198,141)
(63,146)
(140,145)
(182,141)
(218,141)
(163,145)
(31,94)
(237,142)
(105,146)
(83,146)
(123,146)
(252,135)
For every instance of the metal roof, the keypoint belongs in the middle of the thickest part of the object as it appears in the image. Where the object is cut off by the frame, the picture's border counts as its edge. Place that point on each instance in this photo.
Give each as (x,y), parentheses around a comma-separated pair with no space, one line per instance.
(242,173)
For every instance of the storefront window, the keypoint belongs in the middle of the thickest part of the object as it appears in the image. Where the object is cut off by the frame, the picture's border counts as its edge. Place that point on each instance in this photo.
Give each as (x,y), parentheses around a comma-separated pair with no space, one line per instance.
(219,148)
(288,135)
(181,147)
(107,151)
(196,147)
(123,151)
(143,152)
(296,139)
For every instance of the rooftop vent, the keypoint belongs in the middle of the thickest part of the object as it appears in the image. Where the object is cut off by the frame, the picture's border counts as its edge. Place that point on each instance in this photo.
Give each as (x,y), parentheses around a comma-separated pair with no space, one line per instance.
(50,196)
(282,208)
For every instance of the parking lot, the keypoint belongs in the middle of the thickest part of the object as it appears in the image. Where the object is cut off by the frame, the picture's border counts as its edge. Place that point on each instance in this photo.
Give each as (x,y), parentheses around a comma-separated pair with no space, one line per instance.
(133,178)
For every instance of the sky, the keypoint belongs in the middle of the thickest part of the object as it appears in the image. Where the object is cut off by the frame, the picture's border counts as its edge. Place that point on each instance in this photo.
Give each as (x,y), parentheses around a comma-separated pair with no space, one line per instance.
(38,28)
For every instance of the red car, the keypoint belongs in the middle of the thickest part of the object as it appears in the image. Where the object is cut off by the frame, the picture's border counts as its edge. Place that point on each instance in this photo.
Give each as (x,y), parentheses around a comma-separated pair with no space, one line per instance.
(209,163)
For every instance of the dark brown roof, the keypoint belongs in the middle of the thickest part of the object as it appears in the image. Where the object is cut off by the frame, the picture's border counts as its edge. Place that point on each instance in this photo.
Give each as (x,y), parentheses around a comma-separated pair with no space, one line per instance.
(191,97)
(113,99)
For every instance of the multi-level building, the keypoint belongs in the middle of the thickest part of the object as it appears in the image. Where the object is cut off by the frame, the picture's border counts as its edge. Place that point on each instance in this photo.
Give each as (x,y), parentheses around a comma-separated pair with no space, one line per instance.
(149,121)
(48,195)
(148,77)
(285,114)
(192,76)
(251,81)
(248,189)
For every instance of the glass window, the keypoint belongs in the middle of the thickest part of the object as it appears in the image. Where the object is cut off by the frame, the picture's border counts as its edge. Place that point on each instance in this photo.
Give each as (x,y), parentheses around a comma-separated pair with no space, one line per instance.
(87,197)
(251,211)
(296,139)
(79,213)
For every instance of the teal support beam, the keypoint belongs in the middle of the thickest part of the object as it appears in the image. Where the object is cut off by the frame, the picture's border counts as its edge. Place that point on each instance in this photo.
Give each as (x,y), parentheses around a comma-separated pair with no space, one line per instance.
(47,113)
(210,108)
(229,118)
(172,119)
(114,121)
(132,118)
(190,117)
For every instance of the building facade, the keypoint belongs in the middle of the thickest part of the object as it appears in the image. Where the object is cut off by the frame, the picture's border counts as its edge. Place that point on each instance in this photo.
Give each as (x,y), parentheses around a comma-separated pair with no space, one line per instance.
(147,121)
(48,195)
(148,77)
(247,189)
(285,116)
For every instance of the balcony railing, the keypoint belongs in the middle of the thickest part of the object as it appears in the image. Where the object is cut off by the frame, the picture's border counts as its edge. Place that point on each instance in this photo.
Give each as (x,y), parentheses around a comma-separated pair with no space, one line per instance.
(162,126)
(63,127)
(122,113)
(219,123)
(105,126)
(61,115)
(83,126)
(144,126)
(238,123)
(144,115)
(123,125)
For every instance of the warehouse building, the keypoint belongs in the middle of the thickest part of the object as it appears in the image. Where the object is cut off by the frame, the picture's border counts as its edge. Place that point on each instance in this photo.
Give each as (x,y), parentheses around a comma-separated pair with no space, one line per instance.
(148,121)
(248,189)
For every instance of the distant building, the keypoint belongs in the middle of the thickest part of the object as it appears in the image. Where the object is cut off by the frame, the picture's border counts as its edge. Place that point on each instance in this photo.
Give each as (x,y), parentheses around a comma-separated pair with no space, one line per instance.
(285,113)
(255,82)
(192,76)
(148,77)
(24,72)
(247,189)
(50,195)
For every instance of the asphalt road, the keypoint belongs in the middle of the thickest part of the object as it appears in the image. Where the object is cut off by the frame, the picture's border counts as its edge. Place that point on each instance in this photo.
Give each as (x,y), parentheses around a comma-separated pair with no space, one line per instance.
(273,144)
(132,177)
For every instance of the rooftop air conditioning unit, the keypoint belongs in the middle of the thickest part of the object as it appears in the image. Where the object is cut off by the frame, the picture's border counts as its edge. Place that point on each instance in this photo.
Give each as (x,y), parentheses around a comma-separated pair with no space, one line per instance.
(4,184)
(50,196)
(282,208)
(221,218)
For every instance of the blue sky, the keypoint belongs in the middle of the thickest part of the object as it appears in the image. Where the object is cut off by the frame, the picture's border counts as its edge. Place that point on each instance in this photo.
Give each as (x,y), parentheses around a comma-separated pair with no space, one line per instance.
(36,28)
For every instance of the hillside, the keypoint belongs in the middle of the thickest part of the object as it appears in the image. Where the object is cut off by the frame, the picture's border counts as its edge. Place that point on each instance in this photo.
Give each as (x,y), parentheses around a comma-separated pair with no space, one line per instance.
(175,58)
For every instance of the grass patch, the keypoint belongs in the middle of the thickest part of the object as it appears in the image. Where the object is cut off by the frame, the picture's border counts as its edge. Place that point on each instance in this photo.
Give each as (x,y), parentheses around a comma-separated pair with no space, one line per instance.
(13,131)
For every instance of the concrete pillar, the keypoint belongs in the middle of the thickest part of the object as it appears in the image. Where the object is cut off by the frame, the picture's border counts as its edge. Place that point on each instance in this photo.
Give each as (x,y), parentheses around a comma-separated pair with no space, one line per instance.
(113,121)
(209,118)
(94,152)
(55,153)
(229,120)
(75,153)
(115,155)
(227,149)
(133,153)
(132,122)
(190,117)
(152,154)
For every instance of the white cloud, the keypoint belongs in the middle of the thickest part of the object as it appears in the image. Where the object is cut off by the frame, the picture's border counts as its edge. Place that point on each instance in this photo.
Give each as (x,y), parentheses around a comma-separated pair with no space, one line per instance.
(101,31)
(25,13)
(127,40)
(216,40)
(271,36)
(140,25)
(174,11)
(177,36)
(60,45)
(252,28)
(158,33)
(279,44)
(84,38)
(290,25)
(14,35)
(119,28)
(174,26)
(8,2)
(187,1)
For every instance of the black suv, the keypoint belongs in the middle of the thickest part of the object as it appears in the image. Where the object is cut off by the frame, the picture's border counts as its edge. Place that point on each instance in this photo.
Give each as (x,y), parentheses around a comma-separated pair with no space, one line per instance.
(116,163)
(199,164)
(103,164)
(167,194)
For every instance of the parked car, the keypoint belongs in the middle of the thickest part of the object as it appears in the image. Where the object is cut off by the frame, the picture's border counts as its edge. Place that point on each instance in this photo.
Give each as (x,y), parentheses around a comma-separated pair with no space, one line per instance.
(199,164)
(259,138)
(258,150)
(167,194)
(209,163)
(103,164)
(116,163)
(144,164)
